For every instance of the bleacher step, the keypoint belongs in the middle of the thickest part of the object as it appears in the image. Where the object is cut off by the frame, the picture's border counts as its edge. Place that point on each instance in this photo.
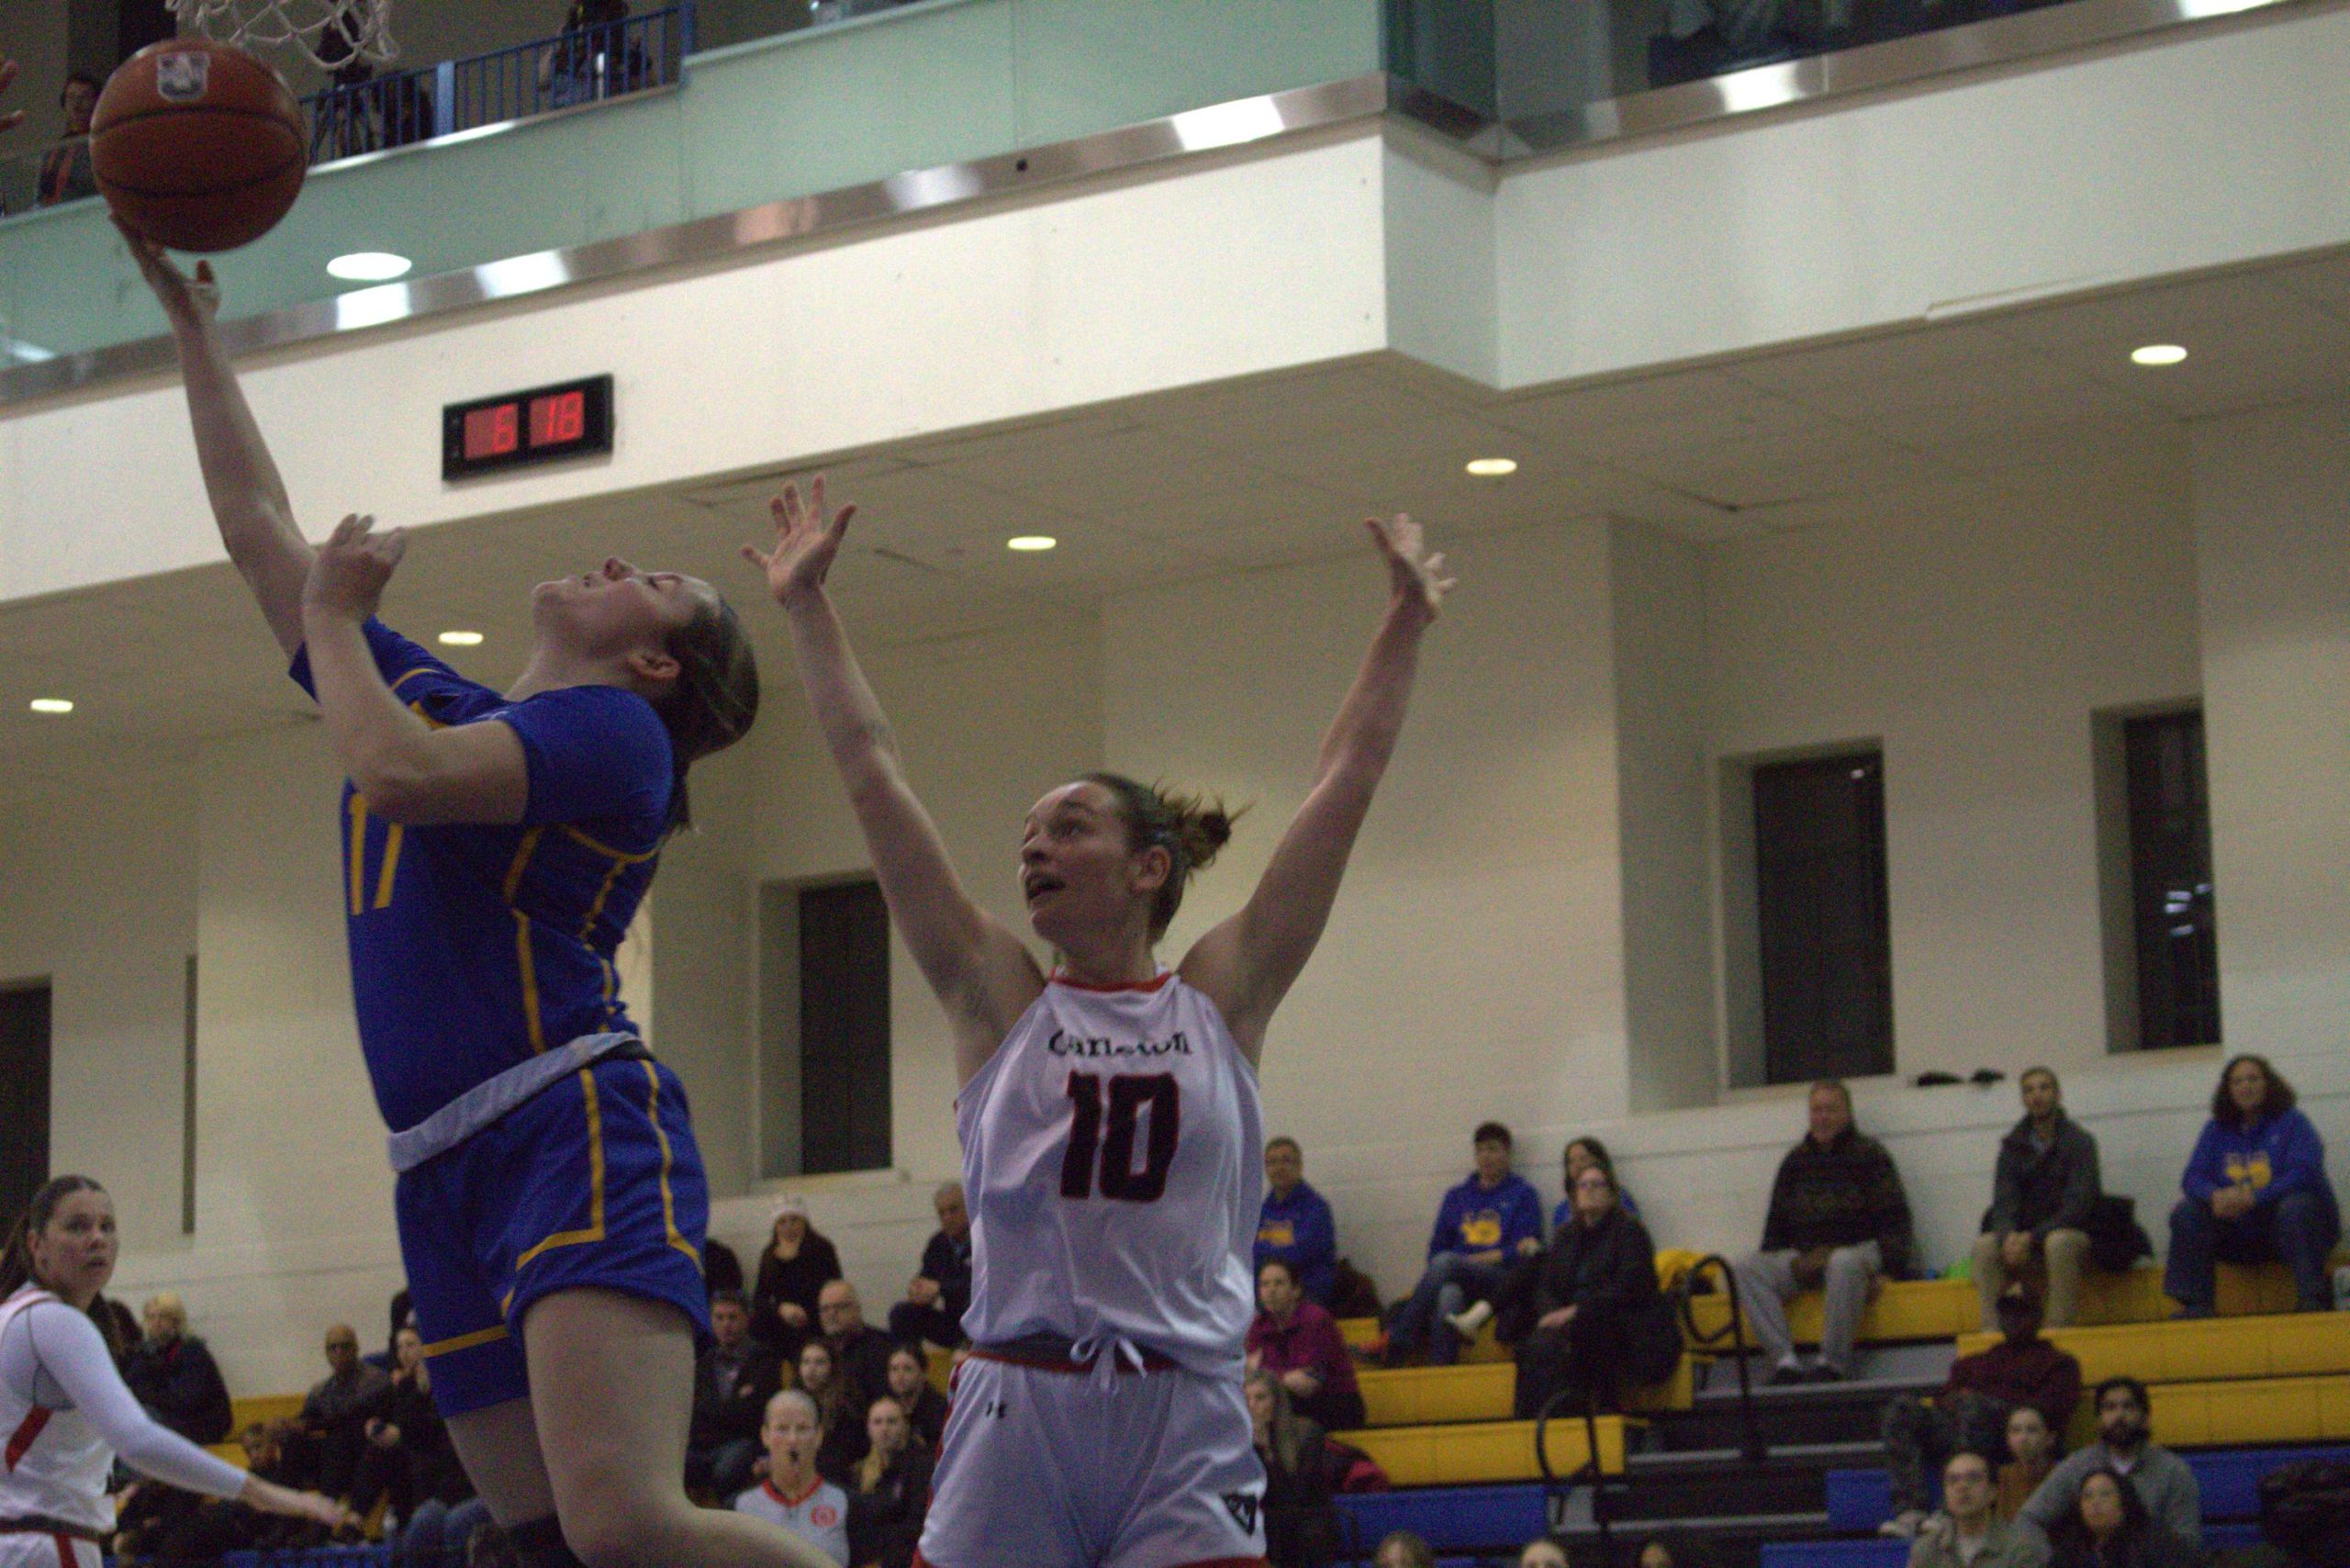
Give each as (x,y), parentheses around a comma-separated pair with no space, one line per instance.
(1802,1413)
(1792,1479)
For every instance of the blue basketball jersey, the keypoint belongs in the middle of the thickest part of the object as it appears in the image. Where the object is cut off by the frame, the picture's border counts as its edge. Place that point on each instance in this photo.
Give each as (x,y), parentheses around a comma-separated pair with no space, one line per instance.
(473,947)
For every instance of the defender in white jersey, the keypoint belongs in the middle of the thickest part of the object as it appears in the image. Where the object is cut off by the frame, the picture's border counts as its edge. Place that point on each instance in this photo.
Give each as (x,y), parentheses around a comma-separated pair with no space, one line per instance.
(1111,1127)
(64,1412)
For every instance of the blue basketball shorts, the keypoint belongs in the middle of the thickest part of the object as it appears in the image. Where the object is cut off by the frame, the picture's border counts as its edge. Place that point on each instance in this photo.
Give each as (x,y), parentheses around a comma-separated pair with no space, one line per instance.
(594,1183)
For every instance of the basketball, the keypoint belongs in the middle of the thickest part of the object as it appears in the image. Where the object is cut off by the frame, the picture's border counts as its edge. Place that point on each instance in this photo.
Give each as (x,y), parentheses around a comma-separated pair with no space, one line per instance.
(197,145)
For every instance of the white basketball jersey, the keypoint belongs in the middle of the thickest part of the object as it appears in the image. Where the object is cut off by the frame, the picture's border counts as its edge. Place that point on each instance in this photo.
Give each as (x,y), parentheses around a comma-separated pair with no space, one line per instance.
(51,1465)
(1113,1155)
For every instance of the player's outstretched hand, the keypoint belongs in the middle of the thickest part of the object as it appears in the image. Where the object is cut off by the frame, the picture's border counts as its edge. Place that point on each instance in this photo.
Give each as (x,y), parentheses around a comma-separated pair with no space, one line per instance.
(14,117)
(349,570)
(189,302)
(805,543)
(1418,580)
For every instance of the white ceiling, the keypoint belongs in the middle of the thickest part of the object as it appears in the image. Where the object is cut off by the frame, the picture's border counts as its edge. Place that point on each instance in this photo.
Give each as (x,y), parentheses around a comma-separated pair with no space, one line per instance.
(1276,469)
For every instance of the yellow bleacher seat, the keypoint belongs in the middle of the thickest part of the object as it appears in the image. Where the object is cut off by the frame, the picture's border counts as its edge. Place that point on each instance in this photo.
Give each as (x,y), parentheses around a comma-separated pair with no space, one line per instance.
(2206,1349)
(265,1408)
(1901,1309)
(1482,1387)
(1486,1451)
(940,1365)
(2255,1410)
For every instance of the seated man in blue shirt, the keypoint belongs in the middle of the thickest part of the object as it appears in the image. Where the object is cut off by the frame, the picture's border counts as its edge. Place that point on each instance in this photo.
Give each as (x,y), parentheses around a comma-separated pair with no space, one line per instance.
(1296,1225)
(1487,1222)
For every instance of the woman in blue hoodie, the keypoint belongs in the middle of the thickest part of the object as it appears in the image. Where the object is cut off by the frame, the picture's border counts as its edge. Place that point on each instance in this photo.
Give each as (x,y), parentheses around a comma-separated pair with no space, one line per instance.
(2255,1191)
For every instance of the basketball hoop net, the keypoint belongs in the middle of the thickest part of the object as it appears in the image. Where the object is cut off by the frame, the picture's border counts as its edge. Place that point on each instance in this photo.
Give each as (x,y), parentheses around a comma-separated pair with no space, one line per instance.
(317,30)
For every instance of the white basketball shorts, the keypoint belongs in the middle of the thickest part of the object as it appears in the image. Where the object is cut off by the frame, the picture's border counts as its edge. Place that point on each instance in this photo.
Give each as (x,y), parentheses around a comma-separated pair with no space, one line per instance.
(1046,1467)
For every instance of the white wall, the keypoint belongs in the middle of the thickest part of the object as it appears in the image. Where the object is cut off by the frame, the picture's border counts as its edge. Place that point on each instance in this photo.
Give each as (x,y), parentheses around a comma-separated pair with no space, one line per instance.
(2273,538)
(1974,640)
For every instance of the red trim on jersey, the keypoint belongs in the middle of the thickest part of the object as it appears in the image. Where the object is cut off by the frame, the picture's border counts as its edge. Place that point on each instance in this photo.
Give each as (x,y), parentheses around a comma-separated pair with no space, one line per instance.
(25,1436)
(67,1557)
(1056,977)
(813,1488)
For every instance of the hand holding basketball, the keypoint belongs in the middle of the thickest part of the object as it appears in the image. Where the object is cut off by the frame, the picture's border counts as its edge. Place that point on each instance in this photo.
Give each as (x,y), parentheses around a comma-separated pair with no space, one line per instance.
(188,302)
(805,544)
(1418,580)
(349,571)
(14,117)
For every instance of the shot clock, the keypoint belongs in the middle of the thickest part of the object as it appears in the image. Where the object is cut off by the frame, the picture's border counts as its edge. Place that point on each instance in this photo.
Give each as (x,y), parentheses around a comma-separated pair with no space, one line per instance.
(544,424)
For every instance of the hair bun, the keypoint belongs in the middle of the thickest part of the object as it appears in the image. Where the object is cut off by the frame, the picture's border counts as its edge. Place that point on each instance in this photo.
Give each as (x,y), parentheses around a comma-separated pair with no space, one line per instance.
(1204,826)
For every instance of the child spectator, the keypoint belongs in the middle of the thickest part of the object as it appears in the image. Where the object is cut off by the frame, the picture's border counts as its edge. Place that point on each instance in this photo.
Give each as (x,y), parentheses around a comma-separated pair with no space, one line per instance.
(1296,1223)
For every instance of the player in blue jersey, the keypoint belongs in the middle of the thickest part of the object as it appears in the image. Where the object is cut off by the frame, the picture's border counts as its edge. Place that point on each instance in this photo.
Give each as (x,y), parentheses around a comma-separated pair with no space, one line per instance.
(550,1199)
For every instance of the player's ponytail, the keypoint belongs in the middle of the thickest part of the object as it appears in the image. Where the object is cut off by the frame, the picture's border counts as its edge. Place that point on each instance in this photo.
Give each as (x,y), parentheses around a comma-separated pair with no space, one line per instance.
(714,699)
(17,1251)
(1191,828)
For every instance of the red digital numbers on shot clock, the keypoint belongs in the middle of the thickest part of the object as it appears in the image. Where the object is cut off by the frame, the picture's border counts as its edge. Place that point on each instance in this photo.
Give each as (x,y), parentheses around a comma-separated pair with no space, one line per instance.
(490,434)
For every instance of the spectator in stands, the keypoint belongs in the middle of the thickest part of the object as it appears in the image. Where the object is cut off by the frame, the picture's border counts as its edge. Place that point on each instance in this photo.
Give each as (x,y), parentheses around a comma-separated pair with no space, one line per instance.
(2255,1191)
(863,1353)
(1969,1532)
(798,1263)
(2045,1189)
(330,1434)
(1402,1548)
(843,1443)
(1296,1224)
(1601,1322)
(734,1376)
(409,1459)
(222,1525)
(1486,1222)
(399,1314)
(1581,1154)
(176,1377)
(1298,1344)
(2159,1478)
(593,58)
(891,1494)
(720,1269)
(1837,1219)
(1659,1552)
(65,172)
(12,118)
(940,1294)
(2031,1454)
(2106,1524)
(1302,1528)
(1970,1414)
(796,1494)
(926,1407)
(1542,1552)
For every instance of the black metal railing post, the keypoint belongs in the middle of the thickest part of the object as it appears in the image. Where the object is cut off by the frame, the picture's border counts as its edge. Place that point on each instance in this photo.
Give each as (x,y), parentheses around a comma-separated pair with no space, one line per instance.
(1752,1449)
(1558,1491)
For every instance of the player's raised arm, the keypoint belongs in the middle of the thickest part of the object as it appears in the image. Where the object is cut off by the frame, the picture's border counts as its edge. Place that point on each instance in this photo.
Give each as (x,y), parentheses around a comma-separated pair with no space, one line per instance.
(247,498)
(978,969)
(1247,963)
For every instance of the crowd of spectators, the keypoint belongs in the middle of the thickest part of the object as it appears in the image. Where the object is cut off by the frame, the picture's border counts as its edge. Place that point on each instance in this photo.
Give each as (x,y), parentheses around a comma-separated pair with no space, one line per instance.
(806,1415)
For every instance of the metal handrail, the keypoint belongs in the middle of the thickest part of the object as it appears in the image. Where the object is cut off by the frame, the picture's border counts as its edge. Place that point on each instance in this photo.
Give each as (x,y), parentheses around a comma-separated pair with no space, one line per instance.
(562,71)
(1557,1491)
(1753,1449)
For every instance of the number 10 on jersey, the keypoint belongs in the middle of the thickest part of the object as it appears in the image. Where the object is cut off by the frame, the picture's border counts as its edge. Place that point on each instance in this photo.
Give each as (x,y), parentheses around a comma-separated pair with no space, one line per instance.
(1106,1143)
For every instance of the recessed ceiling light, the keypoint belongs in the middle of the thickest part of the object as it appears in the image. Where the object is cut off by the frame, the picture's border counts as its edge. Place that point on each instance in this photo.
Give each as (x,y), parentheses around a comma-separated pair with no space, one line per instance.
(1030,542)
(461,639)
(52,705)
(369,267)
(1493,467)
(2157,354)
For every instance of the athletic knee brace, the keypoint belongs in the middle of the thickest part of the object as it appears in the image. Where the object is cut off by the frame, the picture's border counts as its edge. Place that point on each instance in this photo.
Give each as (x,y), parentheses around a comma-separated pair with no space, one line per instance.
(539,1544)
